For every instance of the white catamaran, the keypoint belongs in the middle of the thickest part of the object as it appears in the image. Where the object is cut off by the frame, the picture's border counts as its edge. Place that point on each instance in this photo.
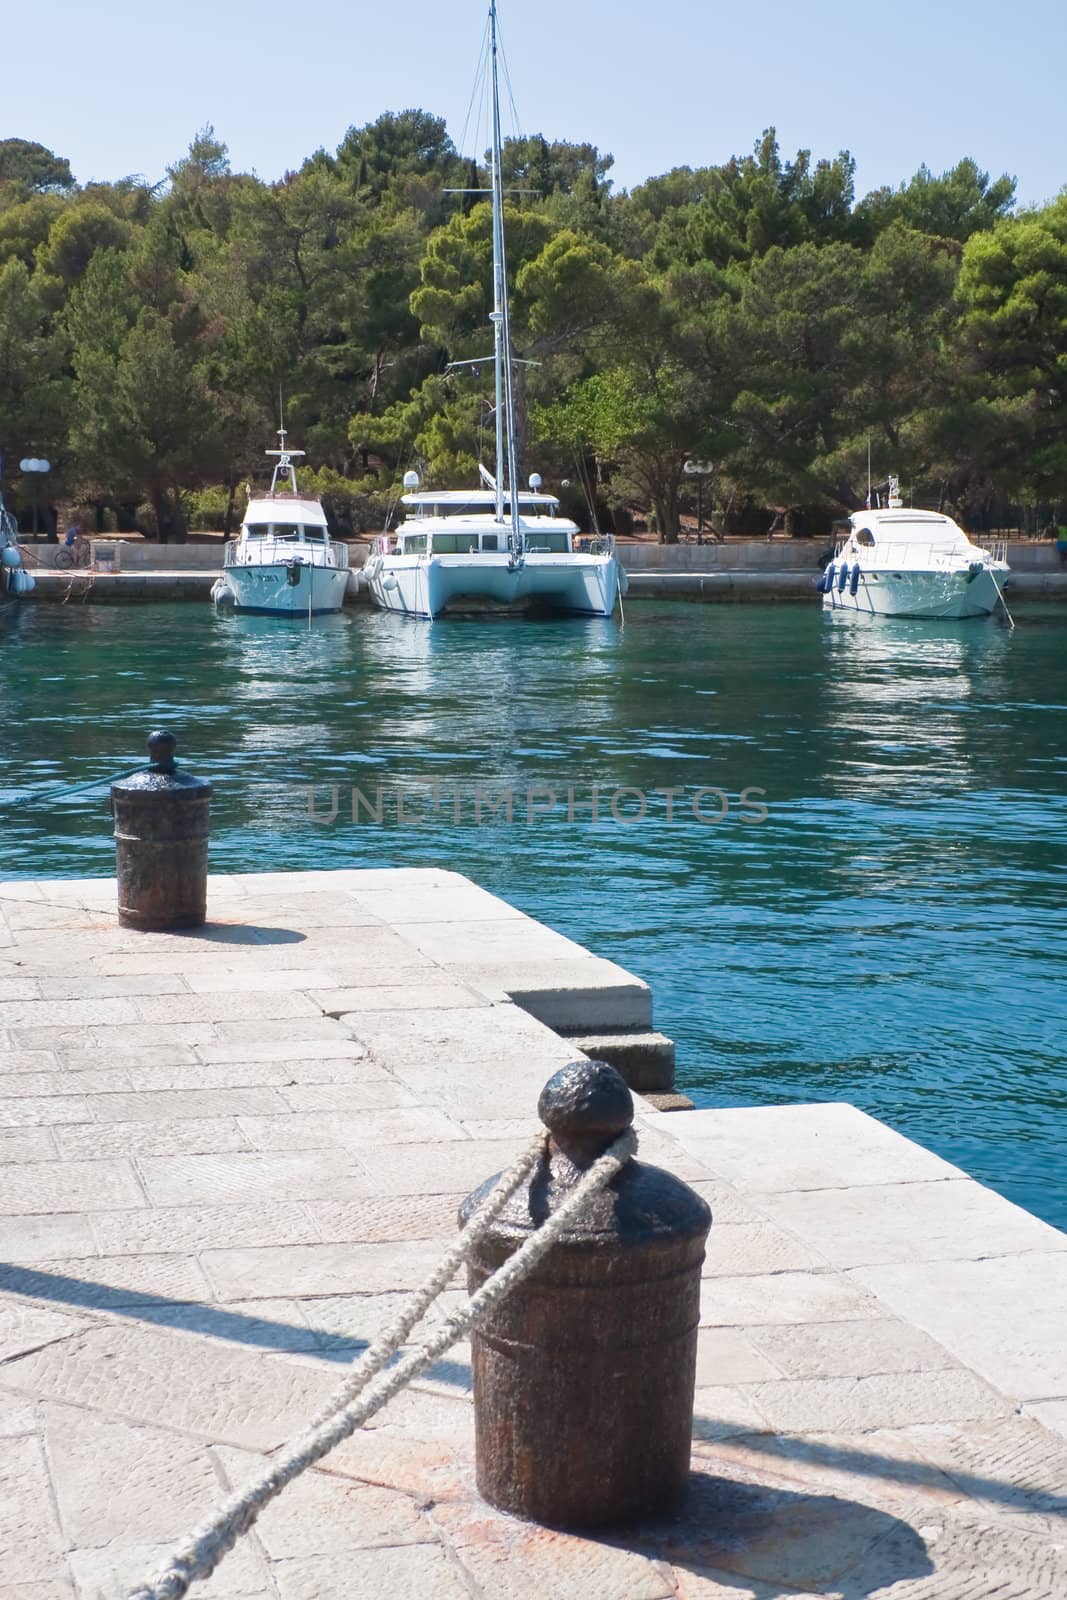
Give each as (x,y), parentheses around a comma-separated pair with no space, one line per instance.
(492,548)
(283,561)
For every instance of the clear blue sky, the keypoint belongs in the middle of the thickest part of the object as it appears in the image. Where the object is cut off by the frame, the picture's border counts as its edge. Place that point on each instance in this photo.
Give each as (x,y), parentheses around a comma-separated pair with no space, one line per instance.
(121,87)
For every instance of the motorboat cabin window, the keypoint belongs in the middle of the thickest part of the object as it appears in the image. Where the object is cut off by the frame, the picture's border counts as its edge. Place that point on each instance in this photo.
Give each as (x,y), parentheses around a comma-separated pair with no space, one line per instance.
(864,536)
(554,543)
(454,544)
(272,530)
(413,544)
(490,541)
(316,534)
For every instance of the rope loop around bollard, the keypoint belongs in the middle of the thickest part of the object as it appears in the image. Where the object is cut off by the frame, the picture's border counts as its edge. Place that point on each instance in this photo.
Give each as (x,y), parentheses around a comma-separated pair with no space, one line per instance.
(368,1387)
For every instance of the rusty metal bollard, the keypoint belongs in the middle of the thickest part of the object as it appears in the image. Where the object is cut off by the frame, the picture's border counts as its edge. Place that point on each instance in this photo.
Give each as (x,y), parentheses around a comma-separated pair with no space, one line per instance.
(584,1374)
(161,833)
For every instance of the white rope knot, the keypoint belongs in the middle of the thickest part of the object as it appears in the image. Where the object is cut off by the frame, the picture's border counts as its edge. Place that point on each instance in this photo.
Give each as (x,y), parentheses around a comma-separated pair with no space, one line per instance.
(367,1387)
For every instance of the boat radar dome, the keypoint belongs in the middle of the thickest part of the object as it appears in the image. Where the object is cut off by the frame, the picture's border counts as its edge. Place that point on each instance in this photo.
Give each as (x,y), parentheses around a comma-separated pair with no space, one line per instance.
(411,480)
(535,481)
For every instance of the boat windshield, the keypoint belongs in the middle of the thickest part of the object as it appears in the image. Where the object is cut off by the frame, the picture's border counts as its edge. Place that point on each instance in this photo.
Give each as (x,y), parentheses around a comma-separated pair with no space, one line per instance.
(454,544)
(919,530)
(280,530)
(478,506)
(553,542)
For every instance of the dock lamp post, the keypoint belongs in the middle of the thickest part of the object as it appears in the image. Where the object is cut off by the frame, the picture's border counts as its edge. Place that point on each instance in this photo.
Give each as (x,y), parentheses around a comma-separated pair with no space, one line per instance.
(35,467)
(699,470)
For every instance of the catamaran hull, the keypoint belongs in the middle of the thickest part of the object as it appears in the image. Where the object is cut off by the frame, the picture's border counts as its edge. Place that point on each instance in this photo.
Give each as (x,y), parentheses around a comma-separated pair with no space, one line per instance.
(936,596)
(421,586)
(268,588)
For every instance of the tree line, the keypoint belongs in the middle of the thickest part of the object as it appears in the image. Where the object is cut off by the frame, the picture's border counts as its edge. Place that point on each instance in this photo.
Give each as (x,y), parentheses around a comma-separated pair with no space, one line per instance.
(755,315)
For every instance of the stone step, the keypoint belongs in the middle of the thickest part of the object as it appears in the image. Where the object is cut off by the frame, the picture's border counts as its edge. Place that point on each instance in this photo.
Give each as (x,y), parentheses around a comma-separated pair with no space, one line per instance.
(582,995)
(645,1059)
(668,1102)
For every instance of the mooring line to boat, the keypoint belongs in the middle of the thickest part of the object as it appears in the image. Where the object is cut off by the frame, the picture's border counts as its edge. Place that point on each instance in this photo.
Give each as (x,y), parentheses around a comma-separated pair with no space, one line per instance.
(200,1553)
(77,788)
(1000,597)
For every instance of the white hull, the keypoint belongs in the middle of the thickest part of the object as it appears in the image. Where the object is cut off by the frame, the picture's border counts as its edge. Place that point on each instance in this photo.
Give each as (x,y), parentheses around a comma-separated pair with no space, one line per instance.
(425,586)
(933,595)
(266,587)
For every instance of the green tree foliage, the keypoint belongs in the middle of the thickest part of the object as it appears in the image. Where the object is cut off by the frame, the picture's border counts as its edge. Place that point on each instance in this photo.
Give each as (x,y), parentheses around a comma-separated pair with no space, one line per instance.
(825,346)
(31,166)
(75,237)
(637,422)
(25,226)
(751,312)
(32,393)
(1013,331)
(553,168)
(738,211)
(401,161)
(955,205)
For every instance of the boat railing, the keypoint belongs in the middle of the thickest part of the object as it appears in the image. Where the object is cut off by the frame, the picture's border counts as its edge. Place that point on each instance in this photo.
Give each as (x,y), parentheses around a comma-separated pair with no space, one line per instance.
(334,554)
(597,544)
(910,555)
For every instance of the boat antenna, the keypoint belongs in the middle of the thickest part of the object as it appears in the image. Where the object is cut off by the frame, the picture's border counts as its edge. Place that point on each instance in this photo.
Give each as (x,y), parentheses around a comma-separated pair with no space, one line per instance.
(505,398)
(868,472)
(283,467)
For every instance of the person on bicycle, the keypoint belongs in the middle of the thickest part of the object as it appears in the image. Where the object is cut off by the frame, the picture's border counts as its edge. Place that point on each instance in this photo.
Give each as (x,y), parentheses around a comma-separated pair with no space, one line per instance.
(74,551)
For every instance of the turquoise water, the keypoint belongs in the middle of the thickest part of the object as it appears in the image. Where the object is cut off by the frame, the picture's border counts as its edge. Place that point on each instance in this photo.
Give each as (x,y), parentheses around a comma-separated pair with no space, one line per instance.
(891,934)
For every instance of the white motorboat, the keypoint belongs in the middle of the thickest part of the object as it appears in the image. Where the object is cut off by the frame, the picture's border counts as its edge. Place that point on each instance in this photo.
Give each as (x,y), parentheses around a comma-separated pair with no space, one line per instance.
(283,560)
(15,581)
(897,562)
(492,549)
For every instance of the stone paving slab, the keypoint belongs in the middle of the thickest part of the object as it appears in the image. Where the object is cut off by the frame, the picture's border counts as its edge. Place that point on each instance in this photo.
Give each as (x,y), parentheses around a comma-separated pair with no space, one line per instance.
(226,1155)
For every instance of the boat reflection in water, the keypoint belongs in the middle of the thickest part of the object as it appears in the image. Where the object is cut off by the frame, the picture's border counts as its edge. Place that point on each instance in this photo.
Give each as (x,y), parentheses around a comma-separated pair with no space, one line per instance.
(907,710)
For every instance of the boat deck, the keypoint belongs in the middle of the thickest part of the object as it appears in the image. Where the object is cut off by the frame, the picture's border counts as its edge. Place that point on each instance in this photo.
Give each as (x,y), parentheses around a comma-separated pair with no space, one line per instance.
(225,1155)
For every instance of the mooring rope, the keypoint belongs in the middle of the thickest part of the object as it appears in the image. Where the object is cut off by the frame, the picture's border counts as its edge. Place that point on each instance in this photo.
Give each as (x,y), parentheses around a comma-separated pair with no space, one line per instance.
(77,788)
(368,1388)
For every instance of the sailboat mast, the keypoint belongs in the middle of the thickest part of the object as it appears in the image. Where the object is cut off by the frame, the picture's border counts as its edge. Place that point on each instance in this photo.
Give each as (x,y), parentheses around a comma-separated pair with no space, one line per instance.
(498,279)
(505,413)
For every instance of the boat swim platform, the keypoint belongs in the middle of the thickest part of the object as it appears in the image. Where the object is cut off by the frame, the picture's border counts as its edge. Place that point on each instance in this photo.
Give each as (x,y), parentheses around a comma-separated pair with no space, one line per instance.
(227,1153)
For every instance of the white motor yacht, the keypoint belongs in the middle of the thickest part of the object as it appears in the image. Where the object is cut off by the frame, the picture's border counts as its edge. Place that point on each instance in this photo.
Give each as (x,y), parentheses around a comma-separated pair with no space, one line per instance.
(283,560)
(492,548)
(897,562)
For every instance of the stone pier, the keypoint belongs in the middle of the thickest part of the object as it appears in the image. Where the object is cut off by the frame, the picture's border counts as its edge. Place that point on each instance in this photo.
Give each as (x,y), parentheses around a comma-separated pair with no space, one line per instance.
(226,1154)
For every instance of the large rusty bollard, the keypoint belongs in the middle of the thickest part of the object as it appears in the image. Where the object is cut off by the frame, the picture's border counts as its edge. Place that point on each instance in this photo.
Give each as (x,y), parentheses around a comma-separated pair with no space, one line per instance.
(584,1374)
(161,834)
